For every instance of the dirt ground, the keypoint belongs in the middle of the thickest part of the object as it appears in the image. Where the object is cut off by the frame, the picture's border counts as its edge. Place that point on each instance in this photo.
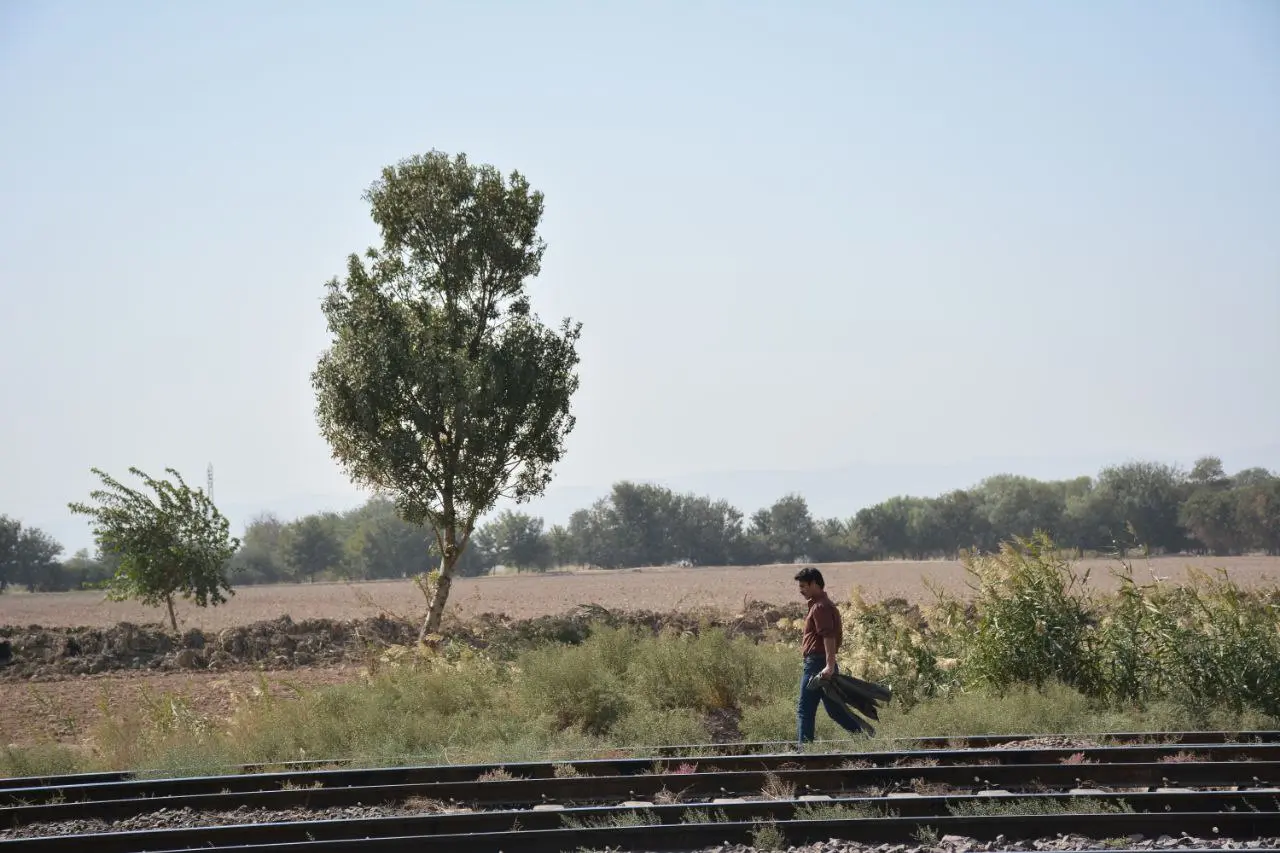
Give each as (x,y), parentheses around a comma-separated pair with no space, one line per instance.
(526,596)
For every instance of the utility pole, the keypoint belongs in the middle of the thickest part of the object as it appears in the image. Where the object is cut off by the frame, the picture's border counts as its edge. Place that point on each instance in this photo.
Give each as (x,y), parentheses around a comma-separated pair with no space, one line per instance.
(209,475)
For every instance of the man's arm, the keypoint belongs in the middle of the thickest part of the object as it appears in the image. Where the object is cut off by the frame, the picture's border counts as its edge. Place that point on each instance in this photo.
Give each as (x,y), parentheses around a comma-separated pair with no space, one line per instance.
(828,629)
(830,645)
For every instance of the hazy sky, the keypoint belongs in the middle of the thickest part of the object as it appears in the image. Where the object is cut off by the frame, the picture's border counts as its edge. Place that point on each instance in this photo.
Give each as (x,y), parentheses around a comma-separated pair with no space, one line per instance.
(799,235)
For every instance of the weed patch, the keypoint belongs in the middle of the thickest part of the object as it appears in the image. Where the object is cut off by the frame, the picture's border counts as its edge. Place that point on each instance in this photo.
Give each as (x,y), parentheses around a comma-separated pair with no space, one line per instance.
(765,835)
(639,817)
(1036,806)
(842,811)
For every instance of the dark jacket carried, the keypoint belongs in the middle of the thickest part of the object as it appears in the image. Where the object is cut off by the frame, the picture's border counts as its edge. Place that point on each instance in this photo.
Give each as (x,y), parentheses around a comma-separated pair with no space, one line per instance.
(862,696)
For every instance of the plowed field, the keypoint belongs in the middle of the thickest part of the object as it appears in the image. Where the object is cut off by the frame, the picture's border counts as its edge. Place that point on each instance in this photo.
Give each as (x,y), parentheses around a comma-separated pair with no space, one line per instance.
(523,596)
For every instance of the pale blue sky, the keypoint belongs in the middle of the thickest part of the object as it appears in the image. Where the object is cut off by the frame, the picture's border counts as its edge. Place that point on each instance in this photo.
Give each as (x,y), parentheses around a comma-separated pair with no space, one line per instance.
(808,237)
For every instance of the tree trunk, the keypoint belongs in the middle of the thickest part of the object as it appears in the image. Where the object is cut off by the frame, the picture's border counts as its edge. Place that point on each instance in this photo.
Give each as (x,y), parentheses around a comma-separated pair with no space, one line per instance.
(431,625)
(173,620)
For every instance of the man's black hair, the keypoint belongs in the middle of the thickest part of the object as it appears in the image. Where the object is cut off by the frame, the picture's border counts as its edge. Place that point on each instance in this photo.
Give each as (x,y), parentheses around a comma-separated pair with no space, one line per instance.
(811,575)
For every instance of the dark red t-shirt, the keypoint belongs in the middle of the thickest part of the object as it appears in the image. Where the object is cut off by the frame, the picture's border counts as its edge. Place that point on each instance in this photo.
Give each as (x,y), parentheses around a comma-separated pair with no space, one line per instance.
(822,620)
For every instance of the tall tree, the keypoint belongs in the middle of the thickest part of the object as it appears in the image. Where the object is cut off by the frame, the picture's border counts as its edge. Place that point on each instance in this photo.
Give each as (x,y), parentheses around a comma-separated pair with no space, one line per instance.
(961,520)
(390,547)
(1209,515)
(707,531)
(1208,471)
(883,528)
(1146,496)
(516,539)
(28,557)
(1252,477)
(441,387)
(1019,506)
(564,551)
(175,544)
(786,529)
(261,558)
(313,546)
(1258,511)
(36,561)
(10,534)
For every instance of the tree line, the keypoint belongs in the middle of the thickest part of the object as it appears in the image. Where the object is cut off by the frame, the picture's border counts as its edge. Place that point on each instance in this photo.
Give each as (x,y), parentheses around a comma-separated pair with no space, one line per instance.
(1141,504)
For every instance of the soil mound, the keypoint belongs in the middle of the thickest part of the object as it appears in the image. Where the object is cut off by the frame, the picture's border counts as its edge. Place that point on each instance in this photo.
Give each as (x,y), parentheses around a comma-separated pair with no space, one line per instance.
(37,653)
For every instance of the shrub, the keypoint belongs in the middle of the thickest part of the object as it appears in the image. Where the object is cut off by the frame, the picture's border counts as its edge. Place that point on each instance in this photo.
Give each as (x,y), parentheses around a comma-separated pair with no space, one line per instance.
(1033,623)
(39,760)
(647,726)
(1211,644)
(573,686)
(771,721)
(708,671)
(896,645)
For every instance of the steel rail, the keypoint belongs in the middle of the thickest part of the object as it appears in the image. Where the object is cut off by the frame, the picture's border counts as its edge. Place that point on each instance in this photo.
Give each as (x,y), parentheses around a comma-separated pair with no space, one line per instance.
(694,836)
(625,767)
(597,789)
(213,837)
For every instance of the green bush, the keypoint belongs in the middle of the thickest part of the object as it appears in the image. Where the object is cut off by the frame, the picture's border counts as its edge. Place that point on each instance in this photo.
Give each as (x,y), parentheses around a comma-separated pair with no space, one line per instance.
(575,686)
(40,760)
(1033,621)
(1207,644)
(771,721)
(1020,709)
(648,726)
(708,672)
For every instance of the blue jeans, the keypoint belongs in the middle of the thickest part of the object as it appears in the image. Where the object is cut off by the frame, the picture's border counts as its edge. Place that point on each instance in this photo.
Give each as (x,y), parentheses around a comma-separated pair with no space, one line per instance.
(807,708)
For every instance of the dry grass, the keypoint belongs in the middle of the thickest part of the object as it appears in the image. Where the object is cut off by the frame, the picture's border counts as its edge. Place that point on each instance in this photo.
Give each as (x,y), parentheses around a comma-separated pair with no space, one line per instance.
(775,788)
(523,596)
(500,774)
(66,711)
(426,805)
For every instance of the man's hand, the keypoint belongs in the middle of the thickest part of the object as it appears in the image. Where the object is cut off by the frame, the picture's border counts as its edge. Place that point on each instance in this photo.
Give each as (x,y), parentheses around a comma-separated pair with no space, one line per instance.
(827,671)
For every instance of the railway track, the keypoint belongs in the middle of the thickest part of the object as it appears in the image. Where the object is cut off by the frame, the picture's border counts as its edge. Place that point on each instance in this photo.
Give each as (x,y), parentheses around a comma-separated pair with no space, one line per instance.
(708,749)
(1217,785)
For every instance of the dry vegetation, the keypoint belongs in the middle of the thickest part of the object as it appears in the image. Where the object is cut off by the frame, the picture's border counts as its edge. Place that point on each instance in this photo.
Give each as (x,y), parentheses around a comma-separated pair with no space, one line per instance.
(68,711)
(923,661)
(526,596)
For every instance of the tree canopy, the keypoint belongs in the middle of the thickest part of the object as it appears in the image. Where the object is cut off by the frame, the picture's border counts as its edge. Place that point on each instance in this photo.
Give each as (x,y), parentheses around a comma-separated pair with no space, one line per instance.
(441,387)
(28,556)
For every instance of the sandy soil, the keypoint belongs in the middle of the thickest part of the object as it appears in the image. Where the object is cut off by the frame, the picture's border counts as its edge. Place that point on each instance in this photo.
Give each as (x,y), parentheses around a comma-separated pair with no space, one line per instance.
(521,596)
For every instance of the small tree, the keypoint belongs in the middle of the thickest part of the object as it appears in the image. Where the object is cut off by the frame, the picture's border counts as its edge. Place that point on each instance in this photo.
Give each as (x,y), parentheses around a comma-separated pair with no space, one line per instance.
(177,544)
(441,387)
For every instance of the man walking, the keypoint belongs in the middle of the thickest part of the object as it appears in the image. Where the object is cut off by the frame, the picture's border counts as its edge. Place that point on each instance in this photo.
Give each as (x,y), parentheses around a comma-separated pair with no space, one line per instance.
(820,642)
